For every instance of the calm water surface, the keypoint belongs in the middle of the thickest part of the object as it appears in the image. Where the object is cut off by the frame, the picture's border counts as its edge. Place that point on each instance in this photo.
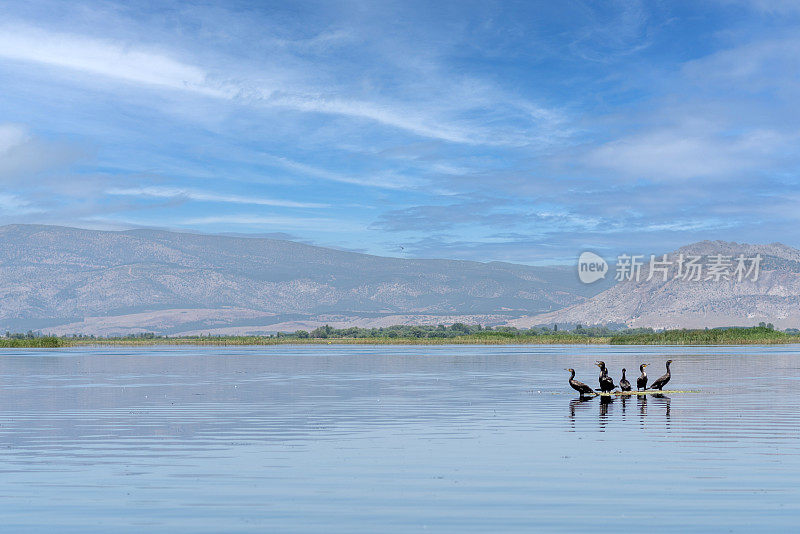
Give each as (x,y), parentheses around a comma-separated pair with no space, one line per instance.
(395,439)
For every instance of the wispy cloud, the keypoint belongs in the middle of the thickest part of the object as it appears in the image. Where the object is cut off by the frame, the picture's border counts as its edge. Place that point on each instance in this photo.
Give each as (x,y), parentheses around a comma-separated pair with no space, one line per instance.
(618,29)
(321,224)
(103,57)
(11,135)
(13,205)
(510,131)
(24,155)
(208,196)
(152,67)
(403,117)
(683,153)
(765,65)
(775,7)
(386,180)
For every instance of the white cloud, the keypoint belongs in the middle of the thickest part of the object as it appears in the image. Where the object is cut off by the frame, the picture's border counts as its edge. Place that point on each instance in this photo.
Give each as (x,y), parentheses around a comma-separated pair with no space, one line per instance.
(11,135)
(383,180)
(770,6)
(404,118)
(104,57)
(687,226)
(14,205)
(428,113)
(208,196)
(682,153)
(755,66)
(320,224)
(23,155)
(621,29)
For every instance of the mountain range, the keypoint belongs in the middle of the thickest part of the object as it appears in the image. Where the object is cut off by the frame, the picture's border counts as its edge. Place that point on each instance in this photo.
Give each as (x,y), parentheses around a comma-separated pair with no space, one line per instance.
(680,302)
(68,280)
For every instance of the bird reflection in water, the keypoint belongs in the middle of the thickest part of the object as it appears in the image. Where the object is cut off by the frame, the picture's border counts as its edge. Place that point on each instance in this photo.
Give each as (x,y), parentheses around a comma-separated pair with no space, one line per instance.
(664,401)
(580,402)
(577,402)
(659,400)
(605,404)
(641,400)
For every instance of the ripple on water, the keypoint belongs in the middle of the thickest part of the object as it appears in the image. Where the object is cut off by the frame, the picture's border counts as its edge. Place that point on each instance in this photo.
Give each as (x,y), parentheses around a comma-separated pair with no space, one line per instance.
(350,439)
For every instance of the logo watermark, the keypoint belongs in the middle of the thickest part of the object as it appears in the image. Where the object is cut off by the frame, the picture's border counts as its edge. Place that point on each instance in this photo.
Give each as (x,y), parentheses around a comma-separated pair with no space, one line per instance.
(691,268)
(591,267)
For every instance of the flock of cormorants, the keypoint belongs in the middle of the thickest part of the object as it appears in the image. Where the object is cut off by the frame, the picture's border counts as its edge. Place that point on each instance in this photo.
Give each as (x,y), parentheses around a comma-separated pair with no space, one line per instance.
(607,383)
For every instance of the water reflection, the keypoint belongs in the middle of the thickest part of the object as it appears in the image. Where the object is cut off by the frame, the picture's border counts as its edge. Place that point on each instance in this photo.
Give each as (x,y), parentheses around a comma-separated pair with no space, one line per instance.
(641,400)
(606,411)
(605,404)
(446,438)
(576,403)
(663,400)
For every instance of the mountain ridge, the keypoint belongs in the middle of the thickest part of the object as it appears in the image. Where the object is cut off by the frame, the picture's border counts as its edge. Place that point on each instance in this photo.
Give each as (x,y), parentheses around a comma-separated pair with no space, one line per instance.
(70,280)
(66,280)
(677,303)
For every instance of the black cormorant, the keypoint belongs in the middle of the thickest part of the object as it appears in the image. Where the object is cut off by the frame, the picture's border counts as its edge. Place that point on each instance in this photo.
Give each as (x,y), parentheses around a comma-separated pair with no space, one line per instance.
(641,382)
(606,382)
(580,387)
(624,385)
(661,382)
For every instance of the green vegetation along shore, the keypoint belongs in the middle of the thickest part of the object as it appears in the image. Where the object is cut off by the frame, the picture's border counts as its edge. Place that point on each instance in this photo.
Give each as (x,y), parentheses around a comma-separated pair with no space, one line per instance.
(758,335)
(43,342)
(441,335)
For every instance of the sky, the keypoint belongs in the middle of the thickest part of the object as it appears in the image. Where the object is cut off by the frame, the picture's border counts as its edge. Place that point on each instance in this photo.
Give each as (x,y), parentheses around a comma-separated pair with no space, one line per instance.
(491,131)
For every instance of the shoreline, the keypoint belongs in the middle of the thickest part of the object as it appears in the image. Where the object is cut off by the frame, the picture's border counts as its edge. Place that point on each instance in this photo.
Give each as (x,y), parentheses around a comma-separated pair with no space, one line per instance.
(687,339)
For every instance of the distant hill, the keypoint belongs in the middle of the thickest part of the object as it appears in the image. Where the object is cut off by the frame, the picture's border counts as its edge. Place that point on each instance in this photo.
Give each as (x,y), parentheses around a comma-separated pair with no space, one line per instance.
(69,280)
(678,303)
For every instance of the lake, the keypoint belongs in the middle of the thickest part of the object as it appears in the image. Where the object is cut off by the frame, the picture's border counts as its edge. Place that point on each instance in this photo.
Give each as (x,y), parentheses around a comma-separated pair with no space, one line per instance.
(346,438)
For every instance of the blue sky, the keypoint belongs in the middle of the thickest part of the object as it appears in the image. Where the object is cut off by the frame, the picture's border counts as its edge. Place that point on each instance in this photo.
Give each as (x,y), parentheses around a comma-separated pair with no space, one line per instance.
(512,131)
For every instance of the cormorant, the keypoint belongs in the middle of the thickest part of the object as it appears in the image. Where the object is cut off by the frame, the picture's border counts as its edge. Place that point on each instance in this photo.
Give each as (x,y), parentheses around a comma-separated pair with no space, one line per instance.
(641,382)
(661,382)
(580,387)
(606,382)
(624,385)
